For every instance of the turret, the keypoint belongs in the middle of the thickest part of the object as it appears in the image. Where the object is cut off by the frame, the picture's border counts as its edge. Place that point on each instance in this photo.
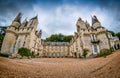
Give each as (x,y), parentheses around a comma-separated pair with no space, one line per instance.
(18,17)
(17,21)
(95,22)
(80,24)
(8,45)
(87,25)
(24,23)
(33,22)
(40,33)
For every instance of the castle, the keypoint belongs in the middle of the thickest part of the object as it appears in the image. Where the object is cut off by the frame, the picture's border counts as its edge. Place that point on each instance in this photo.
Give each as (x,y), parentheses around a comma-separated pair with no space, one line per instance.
(93,38)
(56,49)
(22,35)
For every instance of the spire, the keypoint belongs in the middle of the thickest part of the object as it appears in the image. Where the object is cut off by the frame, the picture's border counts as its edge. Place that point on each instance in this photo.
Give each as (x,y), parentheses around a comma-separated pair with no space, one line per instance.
(40,31)
(24,23)
(36,17)
(25,20)
(80,24)
(79,19)
(94,19)
(86,22)
(18,17)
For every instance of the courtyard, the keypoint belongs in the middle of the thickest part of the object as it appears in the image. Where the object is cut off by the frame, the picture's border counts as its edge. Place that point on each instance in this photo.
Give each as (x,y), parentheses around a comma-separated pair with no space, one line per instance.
(108,67)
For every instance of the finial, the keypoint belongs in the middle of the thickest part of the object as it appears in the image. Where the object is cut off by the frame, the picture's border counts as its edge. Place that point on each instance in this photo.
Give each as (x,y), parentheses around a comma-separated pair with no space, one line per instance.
(40,31)
(79,18)
(35,17)
(86,22)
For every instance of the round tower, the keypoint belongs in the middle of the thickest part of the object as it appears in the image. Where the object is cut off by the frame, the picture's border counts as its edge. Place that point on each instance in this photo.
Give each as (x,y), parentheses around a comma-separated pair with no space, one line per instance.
(80,25)
(8,45)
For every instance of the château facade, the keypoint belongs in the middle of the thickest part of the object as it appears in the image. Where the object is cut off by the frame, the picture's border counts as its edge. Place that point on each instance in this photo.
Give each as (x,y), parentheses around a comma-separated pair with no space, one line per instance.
(22,35)
(56,49)
(93,38)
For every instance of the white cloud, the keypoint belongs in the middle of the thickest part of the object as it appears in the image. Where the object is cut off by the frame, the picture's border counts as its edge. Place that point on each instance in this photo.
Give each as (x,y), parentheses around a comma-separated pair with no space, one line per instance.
(63,18)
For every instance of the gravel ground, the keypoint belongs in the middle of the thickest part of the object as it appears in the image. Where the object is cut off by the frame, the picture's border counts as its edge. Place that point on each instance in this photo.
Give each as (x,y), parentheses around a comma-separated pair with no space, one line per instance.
(108,67)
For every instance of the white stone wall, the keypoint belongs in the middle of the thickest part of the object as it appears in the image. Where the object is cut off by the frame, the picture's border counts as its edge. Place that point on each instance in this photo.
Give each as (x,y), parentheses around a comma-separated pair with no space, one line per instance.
(18,36)
(104,44)
(56,51)
(8,43)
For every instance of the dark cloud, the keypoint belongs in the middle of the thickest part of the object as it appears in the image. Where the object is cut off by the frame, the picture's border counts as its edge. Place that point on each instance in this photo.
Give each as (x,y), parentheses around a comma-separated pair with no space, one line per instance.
(2,20)
(10,8)
(114,6)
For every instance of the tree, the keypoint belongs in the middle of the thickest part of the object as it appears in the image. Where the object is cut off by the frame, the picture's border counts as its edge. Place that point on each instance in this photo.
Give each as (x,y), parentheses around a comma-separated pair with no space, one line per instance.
(104,52)
(118,35)
(59,38)
(1,40)
(113,33)
(85,52)
(67,38)
(24,52)
(2,34)
(3,30)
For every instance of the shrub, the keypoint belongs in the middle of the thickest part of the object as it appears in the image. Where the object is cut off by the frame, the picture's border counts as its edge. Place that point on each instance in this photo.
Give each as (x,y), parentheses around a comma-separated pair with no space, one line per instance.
(115,47)
(4,55)
(85,52)
(104,52)
(24,52)
(111,49)
(118,45)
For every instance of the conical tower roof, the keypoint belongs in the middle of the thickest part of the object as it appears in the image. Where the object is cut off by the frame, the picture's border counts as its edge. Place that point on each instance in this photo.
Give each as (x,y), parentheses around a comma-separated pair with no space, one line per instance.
(94,19)
(18,17)
(36,17)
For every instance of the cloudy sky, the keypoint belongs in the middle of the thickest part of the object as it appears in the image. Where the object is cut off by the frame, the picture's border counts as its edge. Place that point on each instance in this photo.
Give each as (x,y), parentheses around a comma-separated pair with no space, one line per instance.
(60,16)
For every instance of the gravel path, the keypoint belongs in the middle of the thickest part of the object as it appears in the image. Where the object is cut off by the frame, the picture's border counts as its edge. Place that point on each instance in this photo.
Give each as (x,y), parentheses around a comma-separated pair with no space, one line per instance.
(108,67)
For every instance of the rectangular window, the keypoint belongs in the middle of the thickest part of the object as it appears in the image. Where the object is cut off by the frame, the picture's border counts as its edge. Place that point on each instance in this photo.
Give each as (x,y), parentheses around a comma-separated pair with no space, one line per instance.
(95,49)
(24,44)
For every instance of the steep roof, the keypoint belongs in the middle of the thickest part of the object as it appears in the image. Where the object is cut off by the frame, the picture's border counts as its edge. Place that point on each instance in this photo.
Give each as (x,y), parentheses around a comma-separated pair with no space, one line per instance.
(94,19)
(18,17)
(36,17)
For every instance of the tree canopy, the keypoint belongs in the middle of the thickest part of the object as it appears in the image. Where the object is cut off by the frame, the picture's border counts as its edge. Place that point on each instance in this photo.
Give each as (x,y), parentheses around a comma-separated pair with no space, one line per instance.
(2,34)
(59,38)
(118,35)
(114,34)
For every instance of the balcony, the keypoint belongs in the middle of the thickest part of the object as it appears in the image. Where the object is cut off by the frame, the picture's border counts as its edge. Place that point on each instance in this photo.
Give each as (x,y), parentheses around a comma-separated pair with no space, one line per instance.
(95,41)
